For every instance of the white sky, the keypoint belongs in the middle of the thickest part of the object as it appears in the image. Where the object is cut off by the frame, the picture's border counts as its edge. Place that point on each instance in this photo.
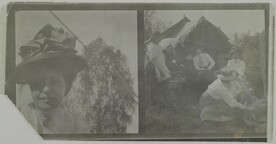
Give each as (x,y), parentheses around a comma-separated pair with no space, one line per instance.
(117,28)
(230,21)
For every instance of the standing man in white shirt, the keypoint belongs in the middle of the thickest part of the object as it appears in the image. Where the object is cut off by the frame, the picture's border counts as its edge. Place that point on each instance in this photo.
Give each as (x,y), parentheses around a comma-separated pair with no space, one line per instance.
(156,56)
(204,64)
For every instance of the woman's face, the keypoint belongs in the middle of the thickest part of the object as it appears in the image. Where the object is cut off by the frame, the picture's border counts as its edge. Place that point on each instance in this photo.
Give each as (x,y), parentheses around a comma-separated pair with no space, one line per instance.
(49,90)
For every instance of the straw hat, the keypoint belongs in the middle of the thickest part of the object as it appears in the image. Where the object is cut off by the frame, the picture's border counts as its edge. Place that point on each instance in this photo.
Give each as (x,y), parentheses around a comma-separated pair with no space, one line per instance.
(50,46)
(227,74)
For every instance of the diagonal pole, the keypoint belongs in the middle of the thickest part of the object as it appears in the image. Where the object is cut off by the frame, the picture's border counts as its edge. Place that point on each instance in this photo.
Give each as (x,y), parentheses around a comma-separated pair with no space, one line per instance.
(86,47)
(67,28)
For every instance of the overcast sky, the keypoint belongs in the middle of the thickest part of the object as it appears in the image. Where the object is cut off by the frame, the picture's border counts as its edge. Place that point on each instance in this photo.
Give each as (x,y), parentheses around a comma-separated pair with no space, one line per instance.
(230,21)
(117,28)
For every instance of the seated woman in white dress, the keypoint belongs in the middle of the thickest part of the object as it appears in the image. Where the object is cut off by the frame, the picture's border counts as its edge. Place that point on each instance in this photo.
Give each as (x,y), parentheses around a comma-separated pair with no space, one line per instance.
(236,64)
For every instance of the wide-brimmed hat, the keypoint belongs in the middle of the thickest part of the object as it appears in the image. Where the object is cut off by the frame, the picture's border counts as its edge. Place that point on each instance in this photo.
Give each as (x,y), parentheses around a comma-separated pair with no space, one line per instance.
(50,46)
(227,74)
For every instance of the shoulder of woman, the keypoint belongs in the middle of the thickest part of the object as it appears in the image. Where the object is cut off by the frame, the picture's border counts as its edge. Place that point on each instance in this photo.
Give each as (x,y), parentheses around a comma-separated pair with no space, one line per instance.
(30,114)
(27,109)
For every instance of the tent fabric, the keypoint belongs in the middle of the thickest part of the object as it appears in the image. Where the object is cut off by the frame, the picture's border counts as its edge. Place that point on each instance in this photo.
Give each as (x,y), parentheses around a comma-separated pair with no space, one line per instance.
(200,33)
(206,34)
(174,30)
(184,33)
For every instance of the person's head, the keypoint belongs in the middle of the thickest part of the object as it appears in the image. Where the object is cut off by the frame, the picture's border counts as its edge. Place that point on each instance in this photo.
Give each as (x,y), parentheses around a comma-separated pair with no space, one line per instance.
(49,66)
(226,75)
(199,51)
(50,86)
(236,53)
(157,37)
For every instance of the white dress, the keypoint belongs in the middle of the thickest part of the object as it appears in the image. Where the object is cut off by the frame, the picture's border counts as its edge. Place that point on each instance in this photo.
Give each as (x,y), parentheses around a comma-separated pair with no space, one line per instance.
(237,65)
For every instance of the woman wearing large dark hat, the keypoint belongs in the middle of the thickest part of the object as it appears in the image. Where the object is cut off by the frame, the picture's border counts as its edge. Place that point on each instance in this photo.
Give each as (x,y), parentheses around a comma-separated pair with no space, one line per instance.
(49,66)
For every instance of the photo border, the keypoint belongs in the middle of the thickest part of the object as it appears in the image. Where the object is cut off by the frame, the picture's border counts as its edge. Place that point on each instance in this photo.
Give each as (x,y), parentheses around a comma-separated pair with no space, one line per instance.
(10,86)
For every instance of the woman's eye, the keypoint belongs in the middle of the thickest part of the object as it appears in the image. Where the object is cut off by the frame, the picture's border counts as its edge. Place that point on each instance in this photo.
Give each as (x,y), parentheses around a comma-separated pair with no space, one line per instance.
(37,86)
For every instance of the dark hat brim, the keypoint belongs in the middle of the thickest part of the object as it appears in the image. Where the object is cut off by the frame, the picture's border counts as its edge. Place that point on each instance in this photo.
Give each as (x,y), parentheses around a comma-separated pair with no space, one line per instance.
(27,70)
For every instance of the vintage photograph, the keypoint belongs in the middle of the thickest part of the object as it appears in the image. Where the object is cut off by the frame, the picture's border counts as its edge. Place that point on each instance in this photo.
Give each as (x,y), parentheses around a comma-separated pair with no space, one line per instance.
(141,72)
(205,72)
(76,71)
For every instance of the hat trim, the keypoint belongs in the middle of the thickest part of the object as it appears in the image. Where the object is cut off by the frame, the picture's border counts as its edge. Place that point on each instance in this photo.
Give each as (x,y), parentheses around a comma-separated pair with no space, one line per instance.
(68,60)
(227,78)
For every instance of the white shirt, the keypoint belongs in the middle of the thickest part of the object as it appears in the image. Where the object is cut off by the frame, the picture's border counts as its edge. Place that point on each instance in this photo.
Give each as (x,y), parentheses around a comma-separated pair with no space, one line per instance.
(237,65)
(219,92)
(203,61)
(154,50)
(63,122)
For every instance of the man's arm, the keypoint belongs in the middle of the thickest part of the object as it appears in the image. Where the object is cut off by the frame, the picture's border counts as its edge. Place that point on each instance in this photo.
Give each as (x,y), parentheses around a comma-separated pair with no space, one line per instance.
(228,99)
(211,61)
(229,63)
(195,62)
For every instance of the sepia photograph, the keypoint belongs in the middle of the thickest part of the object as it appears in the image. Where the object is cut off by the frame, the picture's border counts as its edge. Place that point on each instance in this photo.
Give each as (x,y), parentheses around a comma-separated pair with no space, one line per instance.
(76,71)
(205,72)
(141,71)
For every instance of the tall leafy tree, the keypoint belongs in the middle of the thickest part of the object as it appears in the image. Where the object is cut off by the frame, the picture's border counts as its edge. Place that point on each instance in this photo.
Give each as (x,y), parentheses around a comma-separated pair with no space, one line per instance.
(152,24)
(104,90)
(148,24)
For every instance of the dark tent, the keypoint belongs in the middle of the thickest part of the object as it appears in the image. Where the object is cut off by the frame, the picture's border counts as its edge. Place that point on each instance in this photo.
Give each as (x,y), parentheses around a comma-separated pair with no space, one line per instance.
(201,33)
(174,30)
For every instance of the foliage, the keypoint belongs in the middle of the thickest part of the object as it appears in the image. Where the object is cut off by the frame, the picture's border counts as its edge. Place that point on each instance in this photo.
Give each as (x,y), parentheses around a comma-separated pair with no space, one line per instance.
(104,90)
(252,56)
(148,25)
(151,24)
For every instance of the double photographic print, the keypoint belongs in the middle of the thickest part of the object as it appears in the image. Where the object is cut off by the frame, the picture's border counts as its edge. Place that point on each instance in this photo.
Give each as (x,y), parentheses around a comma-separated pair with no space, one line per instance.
(141,71)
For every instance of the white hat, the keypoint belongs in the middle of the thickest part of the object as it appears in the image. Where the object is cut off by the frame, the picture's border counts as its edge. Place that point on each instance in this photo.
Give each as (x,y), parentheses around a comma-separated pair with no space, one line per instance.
(227,74)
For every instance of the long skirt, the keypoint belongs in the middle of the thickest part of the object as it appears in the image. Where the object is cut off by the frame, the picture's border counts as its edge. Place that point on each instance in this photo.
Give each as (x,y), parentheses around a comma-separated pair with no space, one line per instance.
(216,110)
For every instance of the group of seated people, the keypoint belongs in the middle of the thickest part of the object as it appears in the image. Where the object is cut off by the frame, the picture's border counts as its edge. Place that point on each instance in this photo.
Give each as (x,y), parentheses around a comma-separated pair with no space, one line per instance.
(222,94)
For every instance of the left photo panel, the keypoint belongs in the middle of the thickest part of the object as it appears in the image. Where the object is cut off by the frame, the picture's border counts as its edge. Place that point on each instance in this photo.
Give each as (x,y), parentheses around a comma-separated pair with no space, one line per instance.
(77,71)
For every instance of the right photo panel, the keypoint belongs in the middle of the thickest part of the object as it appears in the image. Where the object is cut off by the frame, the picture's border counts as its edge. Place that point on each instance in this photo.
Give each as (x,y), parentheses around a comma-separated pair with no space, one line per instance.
(205,71)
